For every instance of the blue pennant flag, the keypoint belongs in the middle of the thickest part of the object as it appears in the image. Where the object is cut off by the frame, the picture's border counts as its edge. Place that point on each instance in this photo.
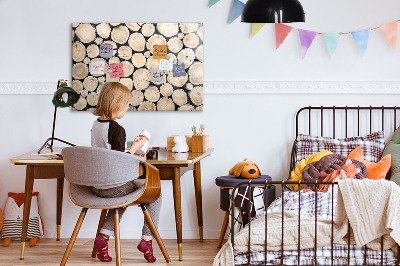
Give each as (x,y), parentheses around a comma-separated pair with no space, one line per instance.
(237,9)
(213,2)
(361,38)
(332,41)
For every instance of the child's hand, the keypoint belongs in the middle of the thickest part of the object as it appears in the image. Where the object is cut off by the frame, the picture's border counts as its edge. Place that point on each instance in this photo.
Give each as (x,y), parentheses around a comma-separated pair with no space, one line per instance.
(143,155)
(137,144)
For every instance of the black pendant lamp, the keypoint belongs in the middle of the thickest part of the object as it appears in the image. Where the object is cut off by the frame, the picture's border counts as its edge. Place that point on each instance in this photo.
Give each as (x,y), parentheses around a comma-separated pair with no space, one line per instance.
(273,11)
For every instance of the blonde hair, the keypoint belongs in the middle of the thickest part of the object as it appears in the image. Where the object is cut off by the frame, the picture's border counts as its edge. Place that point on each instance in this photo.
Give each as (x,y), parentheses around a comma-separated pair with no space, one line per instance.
(113,97)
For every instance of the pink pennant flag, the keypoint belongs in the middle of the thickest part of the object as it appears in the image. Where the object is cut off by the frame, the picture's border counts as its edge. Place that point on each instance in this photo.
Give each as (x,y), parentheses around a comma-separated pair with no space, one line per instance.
(281,31)
(389,30)
(306,39)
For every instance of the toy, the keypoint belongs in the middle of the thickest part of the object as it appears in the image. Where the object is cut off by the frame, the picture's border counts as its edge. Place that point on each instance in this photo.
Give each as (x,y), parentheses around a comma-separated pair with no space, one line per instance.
(245,169)
(144,134)
(13,215)
(375,170)
(348,170)
(296,174)
(180,144)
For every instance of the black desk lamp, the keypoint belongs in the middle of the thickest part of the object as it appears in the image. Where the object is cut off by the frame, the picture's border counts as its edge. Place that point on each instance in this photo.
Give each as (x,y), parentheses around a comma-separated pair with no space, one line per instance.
(273,11)
(63,97)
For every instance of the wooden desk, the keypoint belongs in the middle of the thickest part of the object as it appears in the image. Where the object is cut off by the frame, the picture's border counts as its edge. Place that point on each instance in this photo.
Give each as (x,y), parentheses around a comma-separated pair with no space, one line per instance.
(169,165)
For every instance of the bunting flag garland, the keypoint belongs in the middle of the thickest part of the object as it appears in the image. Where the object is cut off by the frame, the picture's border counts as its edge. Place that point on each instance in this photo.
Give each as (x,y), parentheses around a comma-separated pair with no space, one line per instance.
(332,41)
(237,8)
(389,30)
(213,2)
(361,37)
(281,31)
(256,27)
(306,39)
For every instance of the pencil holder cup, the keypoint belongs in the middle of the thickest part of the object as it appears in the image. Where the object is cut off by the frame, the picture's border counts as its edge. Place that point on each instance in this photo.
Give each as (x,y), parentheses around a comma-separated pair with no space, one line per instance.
(200,143)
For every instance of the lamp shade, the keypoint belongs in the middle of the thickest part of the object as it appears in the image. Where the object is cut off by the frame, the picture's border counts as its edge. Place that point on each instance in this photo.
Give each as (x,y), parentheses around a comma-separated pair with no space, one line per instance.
(71,98)
(273,11)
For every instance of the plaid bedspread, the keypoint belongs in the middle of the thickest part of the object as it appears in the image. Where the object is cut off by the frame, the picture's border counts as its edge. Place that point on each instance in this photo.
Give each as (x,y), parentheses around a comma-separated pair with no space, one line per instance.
(321,205)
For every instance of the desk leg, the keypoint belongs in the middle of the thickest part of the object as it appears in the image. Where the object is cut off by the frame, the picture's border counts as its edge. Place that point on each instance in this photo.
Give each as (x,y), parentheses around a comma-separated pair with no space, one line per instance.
(27,206)
(176,182)
(199,204)
(60,190)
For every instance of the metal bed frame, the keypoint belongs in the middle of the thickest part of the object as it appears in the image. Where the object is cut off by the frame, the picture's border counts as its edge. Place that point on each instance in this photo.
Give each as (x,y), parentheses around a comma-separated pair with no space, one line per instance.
(283,184)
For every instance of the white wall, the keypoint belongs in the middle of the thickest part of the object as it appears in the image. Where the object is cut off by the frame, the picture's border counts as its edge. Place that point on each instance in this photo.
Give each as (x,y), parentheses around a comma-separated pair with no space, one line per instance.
(35,47)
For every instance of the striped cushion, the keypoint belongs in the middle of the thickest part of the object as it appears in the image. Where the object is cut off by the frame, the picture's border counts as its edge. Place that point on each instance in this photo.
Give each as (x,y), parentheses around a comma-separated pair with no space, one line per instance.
(372,145)
(13,228)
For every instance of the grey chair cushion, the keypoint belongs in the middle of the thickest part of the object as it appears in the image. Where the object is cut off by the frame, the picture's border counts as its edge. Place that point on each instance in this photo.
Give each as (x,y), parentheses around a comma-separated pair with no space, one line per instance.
(83,196)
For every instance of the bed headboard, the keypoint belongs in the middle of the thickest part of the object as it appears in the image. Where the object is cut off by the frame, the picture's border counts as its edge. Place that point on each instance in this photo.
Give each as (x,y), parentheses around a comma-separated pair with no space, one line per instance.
(344,121)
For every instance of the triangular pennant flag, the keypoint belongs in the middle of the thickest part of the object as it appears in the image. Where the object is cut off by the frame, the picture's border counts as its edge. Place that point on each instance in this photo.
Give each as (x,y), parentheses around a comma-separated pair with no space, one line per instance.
(281,31)
(213,2)
(306,39)
(255,28)
(390,32)
(361,37)
(237,9)
(332,41)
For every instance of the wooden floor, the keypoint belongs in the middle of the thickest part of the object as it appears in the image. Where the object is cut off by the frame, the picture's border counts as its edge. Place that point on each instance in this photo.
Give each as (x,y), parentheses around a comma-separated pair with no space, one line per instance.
(50,252)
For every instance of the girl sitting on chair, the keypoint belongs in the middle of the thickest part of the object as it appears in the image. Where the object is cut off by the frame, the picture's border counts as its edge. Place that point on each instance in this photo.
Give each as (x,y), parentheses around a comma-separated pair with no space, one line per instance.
(107,133)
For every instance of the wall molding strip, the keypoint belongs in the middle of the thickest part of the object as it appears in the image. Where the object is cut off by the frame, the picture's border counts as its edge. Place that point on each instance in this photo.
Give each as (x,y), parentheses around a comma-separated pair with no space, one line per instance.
(244,87)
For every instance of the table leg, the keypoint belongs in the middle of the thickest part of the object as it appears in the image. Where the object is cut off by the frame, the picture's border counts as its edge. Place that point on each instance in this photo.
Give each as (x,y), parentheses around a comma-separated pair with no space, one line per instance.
(27,206)
(199,204)
(176,183)
(60,190)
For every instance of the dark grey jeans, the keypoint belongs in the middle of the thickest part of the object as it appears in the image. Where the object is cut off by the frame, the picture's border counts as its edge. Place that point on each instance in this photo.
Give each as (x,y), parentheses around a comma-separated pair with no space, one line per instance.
(154,208)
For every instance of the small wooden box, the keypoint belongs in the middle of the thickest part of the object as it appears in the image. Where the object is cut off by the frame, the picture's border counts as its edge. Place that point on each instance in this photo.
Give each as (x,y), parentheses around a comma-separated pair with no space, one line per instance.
(171,143)
(200,143)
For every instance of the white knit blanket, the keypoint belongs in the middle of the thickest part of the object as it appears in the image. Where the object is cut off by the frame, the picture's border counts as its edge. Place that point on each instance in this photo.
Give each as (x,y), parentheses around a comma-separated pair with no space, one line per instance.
(371,206)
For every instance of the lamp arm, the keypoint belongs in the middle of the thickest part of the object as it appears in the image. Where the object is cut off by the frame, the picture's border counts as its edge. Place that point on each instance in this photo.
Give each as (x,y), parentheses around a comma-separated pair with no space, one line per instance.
(54,127)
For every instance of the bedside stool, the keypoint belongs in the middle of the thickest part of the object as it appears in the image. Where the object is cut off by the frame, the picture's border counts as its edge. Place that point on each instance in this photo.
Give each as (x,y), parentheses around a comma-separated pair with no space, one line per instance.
(228,182)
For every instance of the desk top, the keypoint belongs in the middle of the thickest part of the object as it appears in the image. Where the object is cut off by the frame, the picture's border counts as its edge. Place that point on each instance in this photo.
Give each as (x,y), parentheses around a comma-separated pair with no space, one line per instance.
(164,157)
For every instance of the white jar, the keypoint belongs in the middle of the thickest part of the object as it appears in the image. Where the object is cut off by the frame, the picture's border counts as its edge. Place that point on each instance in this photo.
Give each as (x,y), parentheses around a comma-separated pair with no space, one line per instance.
(144,134)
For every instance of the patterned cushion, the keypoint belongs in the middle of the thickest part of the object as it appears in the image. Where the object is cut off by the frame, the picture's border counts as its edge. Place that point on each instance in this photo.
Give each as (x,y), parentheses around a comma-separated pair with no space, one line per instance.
(372,144)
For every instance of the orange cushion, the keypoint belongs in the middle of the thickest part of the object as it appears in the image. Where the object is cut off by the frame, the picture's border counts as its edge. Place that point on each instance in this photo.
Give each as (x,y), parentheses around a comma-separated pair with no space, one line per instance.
(375,170)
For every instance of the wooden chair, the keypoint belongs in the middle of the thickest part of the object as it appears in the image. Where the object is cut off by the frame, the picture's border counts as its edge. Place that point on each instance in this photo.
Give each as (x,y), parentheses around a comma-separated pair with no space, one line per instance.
(85,167)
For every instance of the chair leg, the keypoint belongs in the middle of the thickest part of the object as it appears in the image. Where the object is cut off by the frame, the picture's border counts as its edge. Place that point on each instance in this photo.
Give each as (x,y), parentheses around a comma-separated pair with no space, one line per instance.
(101,222)
(117,239)
(154,230)
(223,229)
(73,237)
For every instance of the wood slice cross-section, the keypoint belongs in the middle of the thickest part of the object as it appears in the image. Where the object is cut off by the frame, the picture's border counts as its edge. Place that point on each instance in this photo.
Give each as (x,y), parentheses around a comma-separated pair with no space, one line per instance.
(120,34)
(186,56)
(175,45)
(127,82)
(147,106)
(188,27)
(166,89)
(191,40)
(137,98)
(80,71)
(156,39)
(128,68)
(196,95)
(141,78)
(137,42)
(77,85)
(148,29)
(81,104)
(85,32)
(200,33)
(186,107)
(125,52)
(179,97)
(177,81)
(199,53)
(93,51)
(168,29)
(196,73)
(152,94)
(92,99)
(138,60)
(78,52)
(165,104)
(114,60)
(103,30)
(133,26)
(152,63)
(90,83)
